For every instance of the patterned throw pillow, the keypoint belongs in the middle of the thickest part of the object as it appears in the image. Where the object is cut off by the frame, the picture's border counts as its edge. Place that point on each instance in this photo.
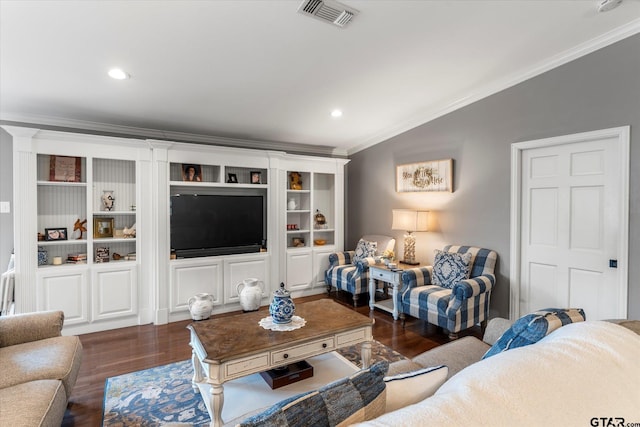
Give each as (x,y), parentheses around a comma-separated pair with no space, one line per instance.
(533,327)
(365,249)
(449,268)
(358,398)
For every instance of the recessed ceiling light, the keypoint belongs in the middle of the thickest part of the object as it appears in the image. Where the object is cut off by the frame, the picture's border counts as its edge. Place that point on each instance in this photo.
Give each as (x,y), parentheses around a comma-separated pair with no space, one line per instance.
(336,113)
(118,74)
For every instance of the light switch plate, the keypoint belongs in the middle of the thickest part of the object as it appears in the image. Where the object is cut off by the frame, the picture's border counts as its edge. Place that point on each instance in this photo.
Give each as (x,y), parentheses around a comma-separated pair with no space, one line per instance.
(5,207)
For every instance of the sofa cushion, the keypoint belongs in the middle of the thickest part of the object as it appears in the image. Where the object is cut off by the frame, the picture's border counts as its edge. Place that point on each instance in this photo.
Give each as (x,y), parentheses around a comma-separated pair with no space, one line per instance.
(52,359)
(412,387)
(533,327)
(365,249)
(449,268)
(359,397)
(35,403)
(26,327)
(457,354)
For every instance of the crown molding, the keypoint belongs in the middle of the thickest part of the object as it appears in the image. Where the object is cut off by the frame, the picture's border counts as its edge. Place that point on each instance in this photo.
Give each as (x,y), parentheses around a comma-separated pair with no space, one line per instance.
(108,129)
(604,40)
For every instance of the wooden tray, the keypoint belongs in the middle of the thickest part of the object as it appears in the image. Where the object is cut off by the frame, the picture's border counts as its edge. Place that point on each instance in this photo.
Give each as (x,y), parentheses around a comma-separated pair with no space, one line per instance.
(294,372)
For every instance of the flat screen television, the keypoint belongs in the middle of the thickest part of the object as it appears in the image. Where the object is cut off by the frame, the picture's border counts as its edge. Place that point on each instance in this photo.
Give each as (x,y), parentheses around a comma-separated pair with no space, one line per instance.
(205,225)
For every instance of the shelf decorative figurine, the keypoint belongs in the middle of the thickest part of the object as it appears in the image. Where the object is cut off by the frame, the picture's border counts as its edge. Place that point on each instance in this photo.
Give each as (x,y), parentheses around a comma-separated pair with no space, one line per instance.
(80,226)
(320,220)
(108,201)
(295,181)
(282,307)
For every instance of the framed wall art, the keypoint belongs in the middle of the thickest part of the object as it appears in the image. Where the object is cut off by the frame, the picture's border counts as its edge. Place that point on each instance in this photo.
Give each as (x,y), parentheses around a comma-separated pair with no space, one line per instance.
(64,169)
(436,175)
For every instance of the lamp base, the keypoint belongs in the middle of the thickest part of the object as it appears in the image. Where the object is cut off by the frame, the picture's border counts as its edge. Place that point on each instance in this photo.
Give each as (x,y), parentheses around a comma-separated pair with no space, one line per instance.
(409,262)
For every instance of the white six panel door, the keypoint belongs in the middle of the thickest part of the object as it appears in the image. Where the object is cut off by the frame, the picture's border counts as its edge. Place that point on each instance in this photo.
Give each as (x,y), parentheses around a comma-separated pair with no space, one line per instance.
(570,228)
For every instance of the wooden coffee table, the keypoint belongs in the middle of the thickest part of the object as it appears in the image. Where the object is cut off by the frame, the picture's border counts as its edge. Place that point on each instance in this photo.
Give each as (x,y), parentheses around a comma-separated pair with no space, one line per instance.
(226,348)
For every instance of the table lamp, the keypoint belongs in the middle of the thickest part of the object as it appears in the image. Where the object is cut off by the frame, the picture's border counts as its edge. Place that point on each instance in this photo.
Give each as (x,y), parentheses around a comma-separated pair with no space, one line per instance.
(409,220)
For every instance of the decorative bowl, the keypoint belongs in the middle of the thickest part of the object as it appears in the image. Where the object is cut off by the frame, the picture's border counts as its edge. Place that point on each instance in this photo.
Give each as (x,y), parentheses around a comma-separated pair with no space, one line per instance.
(319,242)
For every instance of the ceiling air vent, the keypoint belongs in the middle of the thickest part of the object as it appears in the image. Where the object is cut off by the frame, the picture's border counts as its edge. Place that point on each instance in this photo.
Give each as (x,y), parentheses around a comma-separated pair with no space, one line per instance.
(328,11)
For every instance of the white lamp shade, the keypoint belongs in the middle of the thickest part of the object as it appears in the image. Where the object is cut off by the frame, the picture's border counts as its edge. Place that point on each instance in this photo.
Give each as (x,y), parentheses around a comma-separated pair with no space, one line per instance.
(410,220)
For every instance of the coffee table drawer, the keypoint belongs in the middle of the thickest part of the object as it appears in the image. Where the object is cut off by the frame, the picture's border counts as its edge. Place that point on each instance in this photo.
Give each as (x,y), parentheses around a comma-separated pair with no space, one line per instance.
(352,337)
(249,364)
(309,349)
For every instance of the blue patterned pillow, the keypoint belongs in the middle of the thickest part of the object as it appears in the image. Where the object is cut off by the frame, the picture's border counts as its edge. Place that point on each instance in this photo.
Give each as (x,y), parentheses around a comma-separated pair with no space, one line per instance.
(358,398)
(365,249)
(450,267)
(533,327)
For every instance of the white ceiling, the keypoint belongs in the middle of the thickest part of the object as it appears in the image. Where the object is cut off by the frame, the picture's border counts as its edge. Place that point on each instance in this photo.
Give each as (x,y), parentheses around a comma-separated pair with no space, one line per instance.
(259,70)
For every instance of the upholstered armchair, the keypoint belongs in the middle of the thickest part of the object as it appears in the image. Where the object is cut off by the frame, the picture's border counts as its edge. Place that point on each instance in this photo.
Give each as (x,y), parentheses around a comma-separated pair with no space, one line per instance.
(349,270)
(454,293)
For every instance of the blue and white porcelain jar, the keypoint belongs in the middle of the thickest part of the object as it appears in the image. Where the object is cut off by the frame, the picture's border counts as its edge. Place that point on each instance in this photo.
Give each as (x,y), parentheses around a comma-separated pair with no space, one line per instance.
(281,308)
(43,256)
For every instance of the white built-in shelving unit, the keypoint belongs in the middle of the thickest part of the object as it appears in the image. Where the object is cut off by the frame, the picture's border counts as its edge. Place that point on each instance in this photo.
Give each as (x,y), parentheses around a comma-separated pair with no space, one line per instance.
(145,284)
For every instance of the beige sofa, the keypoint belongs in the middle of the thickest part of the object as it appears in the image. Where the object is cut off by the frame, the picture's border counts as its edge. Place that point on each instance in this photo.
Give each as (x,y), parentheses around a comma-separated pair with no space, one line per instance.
(39,369)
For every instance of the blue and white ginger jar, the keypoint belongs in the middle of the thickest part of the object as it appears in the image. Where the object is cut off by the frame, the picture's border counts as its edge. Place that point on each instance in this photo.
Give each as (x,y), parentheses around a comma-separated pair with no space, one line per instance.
(282,307)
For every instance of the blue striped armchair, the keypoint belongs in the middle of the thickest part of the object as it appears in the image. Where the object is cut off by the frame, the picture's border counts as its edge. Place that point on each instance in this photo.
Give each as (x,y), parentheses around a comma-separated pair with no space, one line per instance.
(344,274)
(457,308)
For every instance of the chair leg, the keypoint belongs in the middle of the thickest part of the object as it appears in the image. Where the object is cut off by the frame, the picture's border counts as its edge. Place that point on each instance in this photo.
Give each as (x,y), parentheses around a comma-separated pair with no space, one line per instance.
(483,326)
(403,319)
(355,300)
(329,290)
(453,336)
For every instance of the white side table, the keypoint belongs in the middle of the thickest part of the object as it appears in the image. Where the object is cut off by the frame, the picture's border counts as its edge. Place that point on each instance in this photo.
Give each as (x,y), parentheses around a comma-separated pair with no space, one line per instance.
(382,273)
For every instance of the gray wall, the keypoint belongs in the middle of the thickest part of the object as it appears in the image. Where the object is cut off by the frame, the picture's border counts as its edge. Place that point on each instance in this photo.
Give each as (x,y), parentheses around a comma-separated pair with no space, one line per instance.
(6,195)
(598,91)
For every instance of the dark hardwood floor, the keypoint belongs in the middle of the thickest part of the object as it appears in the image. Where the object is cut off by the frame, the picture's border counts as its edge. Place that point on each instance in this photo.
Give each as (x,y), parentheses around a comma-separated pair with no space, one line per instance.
(125,350)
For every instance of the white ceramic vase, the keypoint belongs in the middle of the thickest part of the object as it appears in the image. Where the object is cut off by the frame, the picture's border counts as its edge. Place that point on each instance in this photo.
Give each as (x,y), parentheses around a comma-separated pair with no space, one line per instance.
(200,306)
(250,293)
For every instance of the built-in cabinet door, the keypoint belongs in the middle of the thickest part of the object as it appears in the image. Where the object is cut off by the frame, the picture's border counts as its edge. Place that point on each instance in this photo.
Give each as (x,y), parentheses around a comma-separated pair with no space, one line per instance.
(194,276)
(320,265)
(299,269)
(62,288)
(115,291)
(236,269)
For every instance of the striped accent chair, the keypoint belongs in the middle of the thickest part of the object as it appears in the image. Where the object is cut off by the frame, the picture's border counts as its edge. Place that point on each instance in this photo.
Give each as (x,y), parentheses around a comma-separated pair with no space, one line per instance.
(455,309)
(344,274)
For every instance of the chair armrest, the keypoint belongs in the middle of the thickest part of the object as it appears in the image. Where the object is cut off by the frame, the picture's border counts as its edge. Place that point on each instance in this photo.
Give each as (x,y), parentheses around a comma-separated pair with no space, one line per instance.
(28,327)
(363,264)
(341,258)
(469,288)
(418,276)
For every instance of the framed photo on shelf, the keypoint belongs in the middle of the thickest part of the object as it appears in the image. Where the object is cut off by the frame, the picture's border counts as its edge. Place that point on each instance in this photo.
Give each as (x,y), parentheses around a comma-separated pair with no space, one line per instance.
(232,178)
(102,227)
(191,173)
(52,234)
(65,169)
(256,177)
